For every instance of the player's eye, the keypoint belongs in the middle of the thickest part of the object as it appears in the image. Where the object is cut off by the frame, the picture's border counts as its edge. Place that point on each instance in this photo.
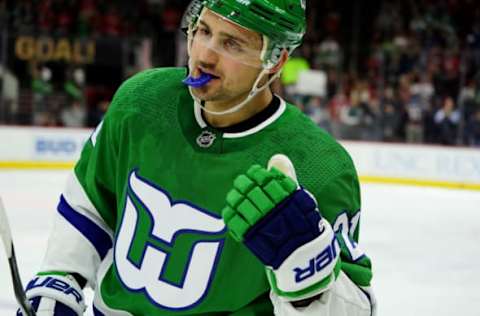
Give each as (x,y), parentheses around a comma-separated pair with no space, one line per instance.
(203,31)
(232,46)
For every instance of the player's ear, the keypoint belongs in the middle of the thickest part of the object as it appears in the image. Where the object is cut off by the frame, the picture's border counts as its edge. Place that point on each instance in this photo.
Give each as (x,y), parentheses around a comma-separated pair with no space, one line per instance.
(283,59)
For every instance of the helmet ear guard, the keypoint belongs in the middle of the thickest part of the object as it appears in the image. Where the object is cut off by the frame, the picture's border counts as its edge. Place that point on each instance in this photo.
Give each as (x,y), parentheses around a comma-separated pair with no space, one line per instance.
(189,20)
(271,53)
(191,15)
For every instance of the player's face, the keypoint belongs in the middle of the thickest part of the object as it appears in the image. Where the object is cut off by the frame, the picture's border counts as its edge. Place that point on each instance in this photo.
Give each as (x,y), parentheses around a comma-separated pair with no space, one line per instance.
(228,52)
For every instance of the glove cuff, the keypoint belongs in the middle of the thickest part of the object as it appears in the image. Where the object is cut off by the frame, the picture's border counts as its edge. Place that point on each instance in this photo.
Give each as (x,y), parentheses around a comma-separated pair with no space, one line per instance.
(63,289)
(310,269)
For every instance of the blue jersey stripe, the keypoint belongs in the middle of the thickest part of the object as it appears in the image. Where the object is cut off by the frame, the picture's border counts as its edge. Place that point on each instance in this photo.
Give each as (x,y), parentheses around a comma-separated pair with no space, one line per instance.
(94,233)
(96,312)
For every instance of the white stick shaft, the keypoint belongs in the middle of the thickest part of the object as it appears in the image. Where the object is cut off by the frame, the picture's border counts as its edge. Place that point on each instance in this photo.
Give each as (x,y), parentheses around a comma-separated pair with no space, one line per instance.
(6,236)
(5,232)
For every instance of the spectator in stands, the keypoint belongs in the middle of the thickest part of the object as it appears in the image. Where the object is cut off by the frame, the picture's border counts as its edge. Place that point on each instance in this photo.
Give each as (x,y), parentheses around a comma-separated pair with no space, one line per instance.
(23,16)
(97,113)
(391,115)
(335,106)
(474,42)
(449,77)
(422,86)
(373,121)
(171,16)
(9,95)
(88,18)
(73,115)
(468,100)
(472,130)
(290,74)
(430,129)
(447,120)
(46,17)
(351,118)
(65,19)
(112,22)
(42,88)
(424,43)
(75,84)
(47,119)
(414,127)
(328,54)
(317,110)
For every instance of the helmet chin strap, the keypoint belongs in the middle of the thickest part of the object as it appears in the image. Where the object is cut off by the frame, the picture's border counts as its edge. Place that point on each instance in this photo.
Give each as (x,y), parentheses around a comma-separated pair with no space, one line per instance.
(253,92)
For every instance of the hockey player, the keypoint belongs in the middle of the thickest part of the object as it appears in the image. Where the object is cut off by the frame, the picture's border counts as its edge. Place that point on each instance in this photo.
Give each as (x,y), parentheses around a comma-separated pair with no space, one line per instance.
(202,193)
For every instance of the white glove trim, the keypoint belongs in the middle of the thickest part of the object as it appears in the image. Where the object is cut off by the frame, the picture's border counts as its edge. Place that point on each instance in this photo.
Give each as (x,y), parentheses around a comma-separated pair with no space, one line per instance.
(344,298)
(61,289)
(319,258)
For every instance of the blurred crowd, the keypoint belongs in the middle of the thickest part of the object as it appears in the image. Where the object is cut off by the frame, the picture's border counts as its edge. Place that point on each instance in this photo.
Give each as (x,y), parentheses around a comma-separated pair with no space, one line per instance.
(418,83)
(49,93)
(91,17)
(399,71)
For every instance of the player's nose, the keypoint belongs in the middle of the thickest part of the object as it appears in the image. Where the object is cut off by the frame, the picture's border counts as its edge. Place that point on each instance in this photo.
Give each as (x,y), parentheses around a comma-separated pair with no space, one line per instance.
(207,55)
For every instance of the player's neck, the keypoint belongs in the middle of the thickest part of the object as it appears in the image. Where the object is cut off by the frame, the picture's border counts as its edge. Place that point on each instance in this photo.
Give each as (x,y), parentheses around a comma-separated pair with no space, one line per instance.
(254,106)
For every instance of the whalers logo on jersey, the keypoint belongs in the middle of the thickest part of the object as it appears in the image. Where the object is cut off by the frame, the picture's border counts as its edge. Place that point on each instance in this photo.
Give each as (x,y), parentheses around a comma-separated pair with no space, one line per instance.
(155,253)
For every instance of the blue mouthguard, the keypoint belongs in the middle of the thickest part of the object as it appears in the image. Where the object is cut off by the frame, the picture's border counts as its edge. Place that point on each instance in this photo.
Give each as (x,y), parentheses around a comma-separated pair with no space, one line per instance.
(198,82)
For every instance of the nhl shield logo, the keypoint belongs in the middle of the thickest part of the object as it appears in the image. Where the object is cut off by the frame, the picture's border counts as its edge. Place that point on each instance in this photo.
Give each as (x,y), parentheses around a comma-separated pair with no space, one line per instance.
(206,139)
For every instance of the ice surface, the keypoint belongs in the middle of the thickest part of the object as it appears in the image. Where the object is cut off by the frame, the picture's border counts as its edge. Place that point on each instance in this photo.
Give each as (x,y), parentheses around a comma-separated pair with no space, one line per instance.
(424,242)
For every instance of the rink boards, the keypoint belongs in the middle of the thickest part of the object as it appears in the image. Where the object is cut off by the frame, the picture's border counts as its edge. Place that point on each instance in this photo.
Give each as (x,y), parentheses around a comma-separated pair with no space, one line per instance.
(437,166)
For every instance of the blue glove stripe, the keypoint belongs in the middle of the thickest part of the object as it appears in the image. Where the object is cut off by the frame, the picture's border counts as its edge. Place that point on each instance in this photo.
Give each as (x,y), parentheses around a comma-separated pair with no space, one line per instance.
(304,202)
(291,224)
(94,233)
(294,211)
(60,309)
(34,302)
(64,310)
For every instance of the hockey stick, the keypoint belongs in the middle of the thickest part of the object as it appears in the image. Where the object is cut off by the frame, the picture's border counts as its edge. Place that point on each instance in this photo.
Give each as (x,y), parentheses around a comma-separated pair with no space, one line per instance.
(6,236)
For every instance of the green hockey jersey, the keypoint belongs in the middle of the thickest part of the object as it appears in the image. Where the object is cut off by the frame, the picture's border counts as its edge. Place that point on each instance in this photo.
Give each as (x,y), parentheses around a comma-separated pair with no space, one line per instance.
(156,175)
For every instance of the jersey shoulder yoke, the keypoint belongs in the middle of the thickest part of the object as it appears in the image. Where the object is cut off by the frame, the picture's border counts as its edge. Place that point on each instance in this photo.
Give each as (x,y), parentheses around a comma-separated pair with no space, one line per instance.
(151,91)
